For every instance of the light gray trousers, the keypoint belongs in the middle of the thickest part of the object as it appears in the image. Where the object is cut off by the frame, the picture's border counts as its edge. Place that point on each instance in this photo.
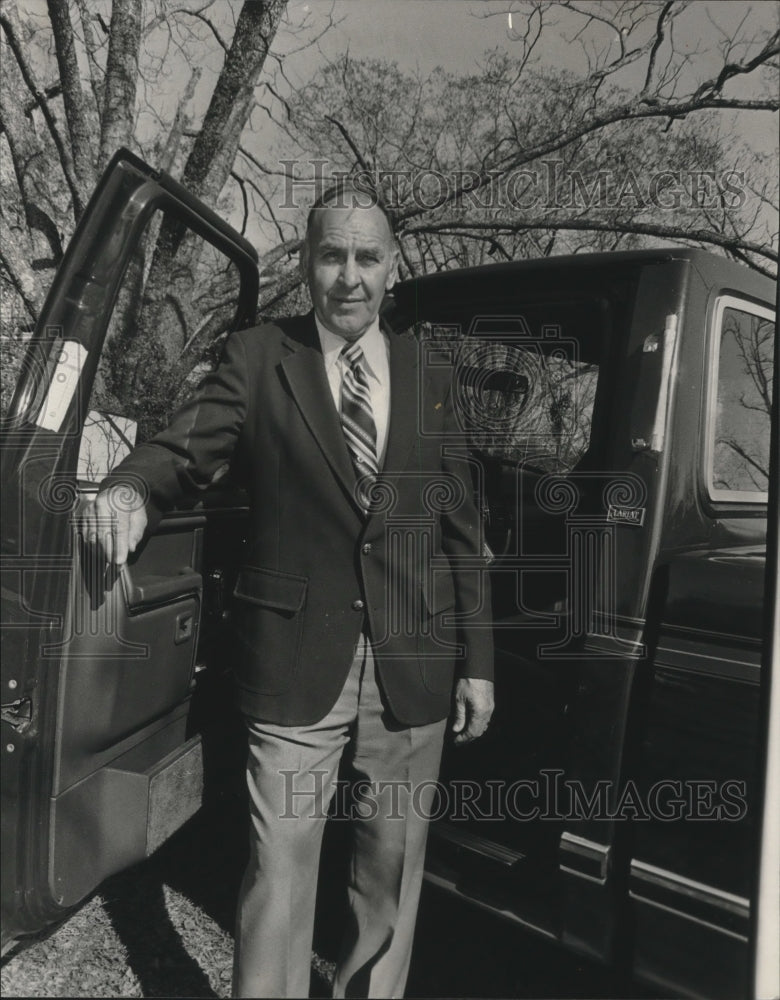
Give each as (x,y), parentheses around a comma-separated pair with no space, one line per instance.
(291,775)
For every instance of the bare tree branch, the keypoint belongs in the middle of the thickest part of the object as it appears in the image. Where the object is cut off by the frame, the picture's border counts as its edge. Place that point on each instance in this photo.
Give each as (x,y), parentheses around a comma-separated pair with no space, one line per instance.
(91,47)
(207,21)
(181,118)
(362,161)
(271,214)
(242,188)
(739,450)
(715,86)
(658,41)
(707,237)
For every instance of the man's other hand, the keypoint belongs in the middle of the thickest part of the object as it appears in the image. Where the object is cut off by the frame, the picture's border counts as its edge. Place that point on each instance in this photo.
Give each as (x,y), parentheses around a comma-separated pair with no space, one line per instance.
(114,523)
(473,708)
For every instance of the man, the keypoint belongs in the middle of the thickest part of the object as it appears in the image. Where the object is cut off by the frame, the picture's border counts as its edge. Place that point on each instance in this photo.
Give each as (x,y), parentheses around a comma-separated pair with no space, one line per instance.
(364,540)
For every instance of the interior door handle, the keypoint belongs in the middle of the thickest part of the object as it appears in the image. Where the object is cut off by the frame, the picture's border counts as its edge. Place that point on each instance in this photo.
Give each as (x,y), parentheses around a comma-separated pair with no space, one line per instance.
(146,591)
(184,628)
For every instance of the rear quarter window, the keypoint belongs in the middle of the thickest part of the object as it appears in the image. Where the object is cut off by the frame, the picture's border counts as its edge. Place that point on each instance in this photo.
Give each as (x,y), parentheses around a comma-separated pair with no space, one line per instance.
(740,395)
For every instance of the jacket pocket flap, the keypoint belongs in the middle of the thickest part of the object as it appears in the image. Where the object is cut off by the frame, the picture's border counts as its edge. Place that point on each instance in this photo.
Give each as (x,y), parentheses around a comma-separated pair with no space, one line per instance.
(270,588)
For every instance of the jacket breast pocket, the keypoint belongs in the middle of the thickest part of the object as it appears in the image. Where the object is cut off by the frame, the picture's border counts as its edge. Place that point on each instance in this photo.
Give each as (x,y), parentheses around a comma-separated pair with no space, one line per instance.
(269,615)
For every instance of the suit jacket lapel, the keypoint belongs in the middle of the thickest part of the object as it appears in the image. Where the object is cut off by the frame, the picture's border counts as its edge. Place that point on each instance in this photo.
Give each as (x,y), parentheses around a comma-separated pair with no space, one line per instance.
(308,382)
(306,376)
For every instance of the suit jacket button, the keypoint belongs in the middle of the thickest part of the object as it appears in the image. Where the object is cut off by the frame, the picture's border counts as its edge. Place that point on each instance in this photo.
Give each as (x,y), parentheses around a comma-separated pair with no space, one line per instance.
(366,549)
(358,605)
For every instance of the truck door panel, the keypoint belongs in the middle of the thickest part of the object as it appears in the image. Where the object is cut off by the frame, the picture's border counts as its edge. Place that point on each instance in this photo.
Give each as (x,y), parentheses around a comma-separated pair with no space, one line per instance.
(130,653)
(525,374)
(108,660)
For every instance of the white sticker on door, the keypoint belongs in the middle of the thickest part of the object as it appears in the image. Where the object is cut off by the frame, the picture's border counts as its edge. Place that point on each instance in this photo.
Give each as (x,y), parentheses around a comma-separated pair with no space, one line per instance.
(70,362)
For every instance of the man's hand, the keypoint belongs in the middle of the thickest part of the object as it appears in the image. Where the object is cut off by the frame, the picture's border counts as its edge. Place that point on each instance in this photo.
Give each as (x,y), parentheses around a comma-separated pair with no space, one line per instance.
(114,523)
(473,708)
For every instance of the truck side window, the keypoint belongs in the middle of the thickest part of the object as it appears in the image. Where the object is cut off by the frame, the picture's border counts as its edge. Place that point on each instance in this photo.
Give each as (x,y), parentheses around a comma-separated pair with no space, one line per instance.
(741,395)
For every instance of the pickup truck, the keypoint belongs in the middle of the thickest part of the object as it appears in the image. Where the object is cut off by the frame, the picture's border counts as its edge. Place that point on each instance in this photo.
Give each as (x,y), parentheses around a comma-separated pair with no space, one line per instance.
(616,408)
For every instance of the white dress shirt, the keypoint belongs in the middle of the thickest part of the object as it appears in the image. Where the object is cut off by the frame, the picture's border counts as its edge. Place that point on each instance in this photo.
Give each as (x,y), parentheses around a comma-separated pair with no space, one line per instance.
(376,354)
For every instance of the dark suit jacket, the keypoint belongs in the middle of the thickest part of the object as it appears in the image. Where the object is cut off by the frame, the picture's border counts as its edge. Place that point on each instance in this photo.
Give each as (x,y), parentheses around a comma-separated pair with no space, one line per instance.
(317,570)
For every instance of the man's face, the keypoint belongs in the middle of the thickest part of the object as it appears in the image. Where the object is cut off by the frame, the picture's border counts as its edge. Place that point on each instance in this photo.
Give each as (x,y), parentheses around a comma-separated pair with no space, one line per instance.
(350,261)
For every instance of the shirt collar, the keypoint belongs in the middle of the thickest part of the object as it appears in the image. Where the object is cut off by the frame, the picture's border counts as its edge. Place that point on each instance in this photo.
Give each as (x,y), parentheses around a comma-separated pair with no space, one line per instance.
(372,342)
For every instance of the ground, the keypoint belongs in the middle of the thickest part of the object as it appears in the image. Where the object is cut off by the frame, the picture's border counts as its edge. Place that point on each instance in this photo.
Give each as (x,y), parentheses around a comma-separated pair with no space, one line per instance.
(164,929)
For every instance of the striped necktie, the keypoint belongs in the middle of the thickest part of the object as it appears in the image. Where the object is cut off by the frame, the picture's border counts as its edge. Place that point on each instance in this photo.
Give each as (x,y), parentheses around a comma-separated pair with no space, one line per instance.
(357,417)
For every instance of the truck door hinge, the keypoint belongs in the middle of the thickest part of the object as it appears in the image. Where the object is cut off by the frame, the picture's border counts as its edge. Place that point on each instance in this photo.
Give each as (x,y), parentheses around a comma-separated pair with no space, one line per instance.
(18,714)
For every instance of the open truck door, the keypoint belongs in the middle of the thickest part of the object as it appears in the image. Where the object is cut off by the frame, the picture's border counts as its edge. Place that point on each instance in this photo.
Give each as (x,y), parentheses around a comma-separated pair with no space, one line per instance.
(101,760)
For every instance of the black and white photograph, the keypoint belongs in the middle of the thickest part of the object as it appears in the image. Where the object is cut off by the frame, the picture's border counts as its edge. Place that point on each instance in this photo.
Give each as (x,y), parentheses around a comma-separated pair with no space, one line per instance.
(390,512)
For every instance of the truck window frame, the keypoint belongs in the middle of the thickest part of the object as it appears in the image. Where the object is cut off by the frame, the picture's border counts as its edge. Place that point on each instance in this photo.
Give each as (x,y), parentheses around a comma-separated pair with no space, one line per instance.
(724,301)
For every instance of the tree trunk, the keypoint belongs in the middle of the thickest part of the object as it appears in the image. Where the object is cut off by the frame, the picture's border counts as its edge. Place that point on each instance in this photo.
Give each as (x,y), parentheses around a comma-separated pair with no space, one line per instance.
(209,164)
(82,120)
(121,78)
